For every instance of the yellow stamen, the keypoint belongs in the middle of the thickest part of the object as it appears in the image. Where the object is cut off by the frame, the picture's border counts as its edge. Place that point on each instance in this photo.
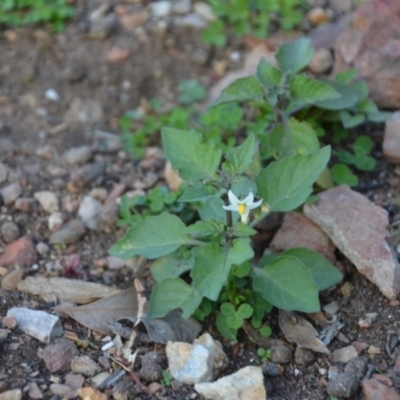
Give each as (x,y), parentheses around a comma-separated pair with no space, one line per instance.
(242,208)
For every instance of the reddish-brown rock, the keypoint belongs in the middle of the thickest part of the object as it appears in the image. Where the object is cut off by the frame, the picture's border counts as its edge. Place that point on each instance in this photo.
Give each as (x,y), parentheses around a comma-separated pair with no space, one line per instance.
(371,45)
(391,140)
(298,231)
(21,252)
(358,228)
(374,390)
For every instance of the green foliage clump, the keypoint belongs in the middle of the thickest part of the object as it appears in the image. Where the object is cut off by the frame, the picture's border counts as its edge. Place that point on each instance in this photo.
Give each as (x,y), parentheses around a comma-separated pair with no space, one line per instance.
(15,13)
(251,17)
(207,264)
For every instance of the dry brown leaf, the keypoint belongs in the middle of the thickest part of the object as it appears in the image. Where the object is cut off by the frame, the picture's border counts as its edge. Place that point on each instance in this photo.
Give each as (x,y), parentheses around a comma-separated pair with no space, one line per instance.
(298,330)
(97,315)
(172,177)
(66,290)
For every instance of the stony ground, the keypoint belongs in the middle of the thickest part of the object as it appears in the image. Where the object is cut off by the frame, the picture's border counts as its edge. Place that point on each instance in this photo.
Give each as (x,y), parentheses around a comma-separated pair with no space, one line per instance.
(63,168)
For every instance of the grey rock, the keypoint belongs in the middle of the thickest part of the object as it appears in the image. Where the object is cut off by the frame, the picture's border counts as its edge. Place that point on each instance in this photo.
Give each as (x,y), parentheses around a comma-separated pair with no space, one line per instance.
(191,20)
(48,200)
(358,228)
(78,155)
(345,354)
(87,174)
(321,62)
(86,112)
(58,356)
(358,366)
(181,7)
(204,10)
(281,354)
(160,9)
(341,5)
(55,221)
(153,364)
(11,192)
(74,72)
(247,383)
(343,385)
(108,217)
(69,233)
(84,365)
(63,390)
(74,381)
(42,248)
(39,324)
(9,231)
(14,394)
(34,391)
(107,141)
(303,357)
(4,334)
(24,204)
(89,212)
(271,370)
(10,281)
(189,363)
(103,27)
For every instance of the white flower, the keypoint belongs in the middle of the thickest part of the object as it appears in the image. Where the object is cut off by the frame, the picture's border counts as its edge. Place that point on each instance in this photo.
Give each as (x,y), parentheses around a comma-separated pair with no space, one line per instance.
(244,206)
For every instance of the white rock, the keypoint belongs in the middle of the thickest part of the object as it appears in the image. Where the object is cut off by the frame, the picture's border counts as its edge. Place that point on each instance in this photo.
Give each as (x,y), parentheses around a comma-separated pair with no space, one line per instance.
(205,11)
(181,7)
(14,394)
(55,221)
(215,347)
(189,363)
(52,95)
(11,192)
(42,248)
(245,384)
(191,20)
(48,200)
(160,9)
(78,155)
(89,212)
(39,324)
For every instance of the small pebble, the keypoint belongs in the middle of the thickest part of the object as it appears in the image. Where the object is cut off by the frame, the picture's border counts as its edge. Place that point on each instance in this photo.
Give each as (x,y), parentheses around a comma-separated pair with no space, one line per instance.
(52,95)
(9,231)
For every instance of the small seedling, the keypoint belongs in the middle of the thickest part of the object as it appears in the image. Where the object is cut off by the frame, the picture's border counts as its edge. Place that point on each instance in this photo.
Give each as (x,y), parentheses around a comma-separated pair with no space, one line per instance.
(264,354)
(166,378)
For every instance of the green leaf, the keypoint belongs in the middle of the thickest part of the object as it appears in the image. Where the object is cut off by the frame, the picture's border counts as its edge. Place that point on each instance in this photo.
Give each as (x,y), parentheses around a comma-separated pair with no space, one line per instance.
(187,153)
(224,329)
(197,191)
(295,56)
(242,230)
(268,75)
(322,271)
(365,163)
(214,34)
(350,120)
(380,116)
(243,89)
(213,209)
(363,145)
(212,265)
(154,237)
(349,96)
(306,90)
(170,266)
(367,106)
(206,228)
(342,174)
(287,183)
(301,139)
(191,91)
(346,76)
(173,293)
(239,158)
(287,283)
(235,318)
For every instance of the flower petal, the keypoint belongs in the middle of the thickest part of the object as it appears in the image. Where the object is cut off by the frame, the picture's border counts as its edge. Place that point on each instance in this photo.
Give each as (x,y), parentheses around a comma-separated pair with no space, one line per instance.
(248,199)
(231,207)
(232,198)
(254,205)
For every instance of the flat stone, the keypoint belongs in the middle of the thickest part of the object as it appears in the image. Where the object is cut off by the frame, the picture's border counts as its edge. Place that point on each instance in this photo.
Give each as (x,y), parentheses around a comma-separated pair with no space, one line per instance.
(10,281)
(3,172)
(84,365)
(88,212)
(68,233)
(25,204)
(21,252)
(78,155)
(358,228)
(48,200)
(11,192)
(34,391)
(87,174)
(58,356)
(374,390)
(281,354)
(74,381)
(299,231)
(345,354)
(391,140)
(15,394)
(4,334)
(371,45)
(245,384)
(63,390)
(39,324)
(343,385)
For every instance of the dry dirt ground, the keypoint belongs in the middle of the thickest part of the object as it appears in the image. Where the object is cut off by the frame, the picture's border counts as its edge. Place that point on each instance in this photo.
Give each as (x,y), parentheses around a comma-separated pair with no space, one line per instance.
(74,65)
